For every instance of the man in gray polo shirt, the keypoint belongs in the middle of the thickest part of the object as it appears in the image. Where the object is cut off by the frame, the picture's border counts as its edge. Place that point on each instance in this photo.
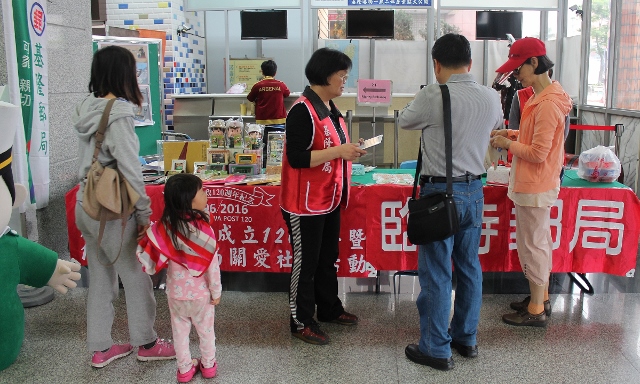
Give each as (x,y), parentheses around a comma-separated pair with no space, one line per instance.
(475,112)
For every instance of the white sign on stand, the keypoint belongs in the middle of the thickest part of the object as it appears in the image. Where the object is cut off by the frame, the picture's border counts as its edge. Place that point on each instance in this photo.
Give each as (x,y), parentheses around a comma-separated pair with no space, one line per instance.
(374,92)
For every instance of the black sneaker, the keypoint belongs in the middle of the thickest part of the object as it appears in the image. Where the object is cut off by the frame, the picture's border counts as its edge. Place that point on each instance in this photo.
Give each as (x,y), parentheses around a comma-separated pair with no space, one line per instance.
(312,334)
(524,304)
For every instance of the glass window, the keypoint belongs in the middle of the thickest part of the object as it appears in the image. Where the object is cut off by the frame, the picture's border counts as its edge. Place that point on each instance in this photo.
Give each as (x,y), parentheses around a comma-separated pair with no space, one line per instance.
(531,24)
(458,21)
(336,23)
(574,19)
(464,22)
(598,51)
(627,78)
(411,24)
(552,25)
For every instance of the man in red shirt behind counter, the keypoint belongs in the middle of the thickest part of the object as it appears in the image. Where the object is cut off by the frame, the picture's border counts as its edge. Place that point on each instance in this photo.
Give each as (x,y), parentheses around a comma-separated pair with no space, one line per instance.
(268,94)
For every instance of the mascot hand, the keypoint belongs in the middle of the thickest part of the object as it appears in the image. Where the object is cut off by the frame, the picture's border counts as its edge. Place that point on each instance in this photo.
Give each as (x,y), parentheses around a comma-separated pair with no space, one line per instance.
(64,275)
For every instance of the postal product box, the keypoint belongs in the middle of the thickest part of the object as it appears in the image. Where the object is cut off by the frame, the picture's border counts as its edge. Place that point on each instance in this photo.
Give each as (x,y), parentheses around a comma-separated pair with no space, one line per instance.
(246,158)
(247,169)
(191,151)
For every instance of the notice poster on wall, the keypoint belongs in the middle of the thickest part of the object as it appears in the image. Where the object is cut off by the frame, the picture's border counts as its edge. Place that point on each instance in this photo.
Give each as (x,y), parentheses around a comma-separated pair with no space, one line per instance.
(142,115)
(245,71)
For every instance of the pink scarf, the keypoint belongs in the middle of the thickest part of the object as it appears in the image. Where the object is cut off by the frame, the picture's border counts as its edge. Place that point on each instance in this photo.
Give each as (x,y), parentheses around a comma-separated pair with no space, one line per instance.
(194,252)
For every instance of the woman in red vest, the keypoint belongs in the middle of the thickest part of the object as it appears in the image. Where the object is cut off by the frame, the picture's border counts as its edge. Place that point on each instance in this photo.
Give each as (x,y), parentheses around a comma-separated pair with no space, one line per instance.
(316,170)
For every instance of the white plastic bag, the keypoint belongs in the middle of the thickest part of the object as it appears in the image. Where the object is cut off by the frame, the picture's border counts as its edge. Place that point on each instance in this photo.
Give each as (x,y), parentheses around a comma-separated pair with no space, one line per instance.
(599,164)
(237,88)
(493,157)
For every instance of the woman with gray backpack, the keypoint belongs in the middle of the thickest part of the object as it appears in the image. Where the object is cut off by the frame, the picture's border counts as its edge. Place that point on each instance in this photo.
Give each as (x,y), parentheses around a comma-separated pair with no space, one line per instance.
(111,242)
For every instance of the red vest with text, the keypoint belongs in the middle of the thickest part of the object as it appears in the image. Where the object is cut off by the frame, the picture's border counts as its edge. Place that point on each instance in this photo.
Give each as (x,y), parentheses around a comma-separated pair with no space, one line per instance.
(523,96)
(316,190)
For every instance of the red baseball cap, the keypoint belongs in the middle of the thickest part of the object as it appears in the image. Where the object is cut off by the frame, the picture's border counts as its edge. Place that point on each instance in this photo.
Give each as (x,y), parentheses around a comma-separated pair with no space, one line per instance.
(521,51)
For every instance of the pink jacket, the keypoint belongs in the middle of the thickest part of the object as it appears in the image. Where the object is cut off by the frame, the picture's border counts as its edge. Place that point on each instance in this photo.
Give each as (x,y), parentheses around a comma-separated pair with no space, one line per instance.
(540,145)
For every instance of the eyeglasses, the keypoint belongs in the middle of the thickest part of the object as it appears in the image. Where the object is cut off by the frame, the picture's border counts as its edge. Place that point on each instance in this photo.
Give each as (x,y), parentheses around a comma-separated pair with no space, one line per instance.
(517,70)
(343,78)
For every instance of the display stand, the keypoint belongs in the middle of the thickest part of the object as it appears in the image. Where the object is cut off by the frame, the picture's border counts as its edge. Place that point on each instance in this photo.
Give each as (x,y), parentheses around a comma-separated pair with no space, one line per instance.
(275,148)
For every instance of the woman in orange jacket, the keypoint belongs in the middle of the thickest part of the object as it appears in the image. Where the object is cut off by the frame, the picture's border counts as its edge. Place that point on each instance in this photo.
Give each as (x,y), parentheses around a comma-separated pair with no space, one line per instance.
(538,151)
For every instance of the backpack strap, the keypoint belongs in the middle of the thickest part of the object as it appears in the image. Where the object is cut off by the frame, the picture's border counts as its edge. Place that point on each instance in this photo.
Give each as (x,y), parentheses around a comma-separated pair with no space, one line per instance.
(100,134)
(102,128)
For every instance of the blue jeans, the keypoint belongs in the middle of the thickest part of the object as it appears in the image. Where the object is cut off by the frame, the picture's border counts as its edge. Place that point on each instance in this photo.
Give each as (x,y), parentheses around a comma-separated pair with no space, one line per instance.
(435,272)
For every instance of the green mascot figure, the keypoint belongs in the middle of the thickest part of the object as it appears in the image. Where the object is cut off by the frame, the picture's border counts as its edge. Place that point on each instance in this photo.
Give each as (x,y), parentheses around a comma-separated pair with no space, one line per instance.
(21,260)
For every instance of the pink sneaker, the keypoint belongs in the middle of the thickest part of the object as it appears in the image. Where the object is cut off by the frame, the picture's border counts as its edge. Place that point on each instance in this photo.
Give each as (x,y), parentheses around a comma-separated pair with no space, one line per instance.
(101,359)
(209,373)
(163,350)
(187,376)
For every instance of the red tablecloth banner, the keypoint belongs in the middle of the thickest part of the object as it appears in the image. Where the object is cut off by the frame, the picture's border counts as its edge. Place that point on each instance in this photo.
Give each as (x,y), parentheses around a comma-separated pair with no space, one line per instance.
(250,230)
(593,229)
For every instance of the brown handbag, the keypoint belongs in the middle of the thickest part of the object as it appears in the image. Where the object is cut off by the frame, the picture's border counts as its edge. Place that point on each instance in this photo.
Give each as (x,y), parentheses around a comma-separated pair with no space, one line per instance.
(107,194)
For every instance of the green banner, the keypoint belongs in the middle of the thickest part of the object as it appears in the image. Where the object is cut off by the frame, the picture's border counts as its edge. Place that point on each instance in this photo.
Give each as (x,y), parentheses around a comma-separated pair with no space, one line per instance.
(29,25)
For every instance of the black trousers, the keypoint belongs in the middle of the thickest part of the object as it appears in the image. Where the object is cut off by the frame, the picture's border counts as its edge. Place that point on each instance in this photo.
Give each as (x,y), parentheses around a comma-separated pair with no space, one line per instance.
(314,281)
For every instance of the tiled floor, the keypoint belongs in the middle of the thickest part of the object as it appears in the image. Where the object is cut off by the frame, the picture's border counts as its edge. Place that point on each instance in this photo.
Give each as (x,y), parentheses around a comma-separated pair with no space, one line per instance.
(590,339)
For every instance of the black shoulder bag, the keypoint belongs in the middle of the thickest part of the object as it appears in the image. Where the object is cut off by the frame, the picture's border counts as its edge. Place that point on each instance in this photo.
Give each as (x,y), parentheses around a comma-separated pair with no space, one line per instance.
(434,217)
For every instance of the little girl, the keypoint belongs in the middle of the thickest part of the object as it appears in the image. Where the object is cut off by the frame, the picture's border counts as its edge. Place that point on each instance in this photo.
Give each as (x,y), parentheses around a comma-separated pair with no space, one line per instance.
(184,239)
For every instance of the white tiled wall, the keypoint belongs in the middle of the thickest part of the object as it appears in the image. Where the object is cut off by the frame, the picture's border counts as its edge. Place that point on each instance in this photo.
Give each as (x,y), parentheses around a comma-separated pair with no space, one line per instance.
(185,56)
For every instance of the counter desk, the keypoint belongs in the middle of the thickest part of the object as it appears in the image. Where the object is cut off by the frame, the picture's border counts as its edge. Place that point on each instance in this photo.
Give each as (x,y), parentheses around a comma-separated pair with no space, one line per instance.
(594,228)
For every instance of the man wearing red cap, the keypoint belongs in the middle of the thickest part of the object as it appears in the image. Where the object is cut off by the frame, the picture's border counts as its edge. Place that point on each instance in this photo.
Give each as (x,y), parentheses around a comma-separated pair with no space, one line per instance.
(534,185)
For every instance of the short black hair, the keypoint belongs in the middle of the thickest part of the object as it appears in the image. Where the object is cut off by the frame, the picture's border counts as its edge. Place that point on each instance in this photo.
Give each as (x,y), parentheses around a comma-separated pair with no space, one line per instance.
(113,70)
(325,62)
(452,51)
(544,65)
(269,68)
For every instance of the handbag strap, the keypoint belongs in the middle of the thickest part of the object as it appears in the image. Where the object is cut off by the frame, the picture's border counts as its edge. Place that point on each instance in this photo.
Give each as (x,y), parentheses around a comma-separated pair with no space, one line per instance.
(102,128)
(418,167)
(448,145)
(446,110)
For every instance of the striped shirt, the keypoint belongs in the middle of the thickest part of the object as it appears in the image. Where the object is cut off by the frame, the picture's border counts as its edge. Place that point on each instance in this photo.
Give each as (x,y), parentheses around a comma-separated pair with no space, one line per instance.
(475,112)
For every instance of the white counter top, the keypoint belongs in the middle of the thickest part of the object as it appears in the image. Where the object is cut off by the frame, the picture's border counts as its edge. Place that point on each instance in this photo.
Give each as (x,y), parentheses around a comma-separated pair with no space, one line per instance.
(244,95)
